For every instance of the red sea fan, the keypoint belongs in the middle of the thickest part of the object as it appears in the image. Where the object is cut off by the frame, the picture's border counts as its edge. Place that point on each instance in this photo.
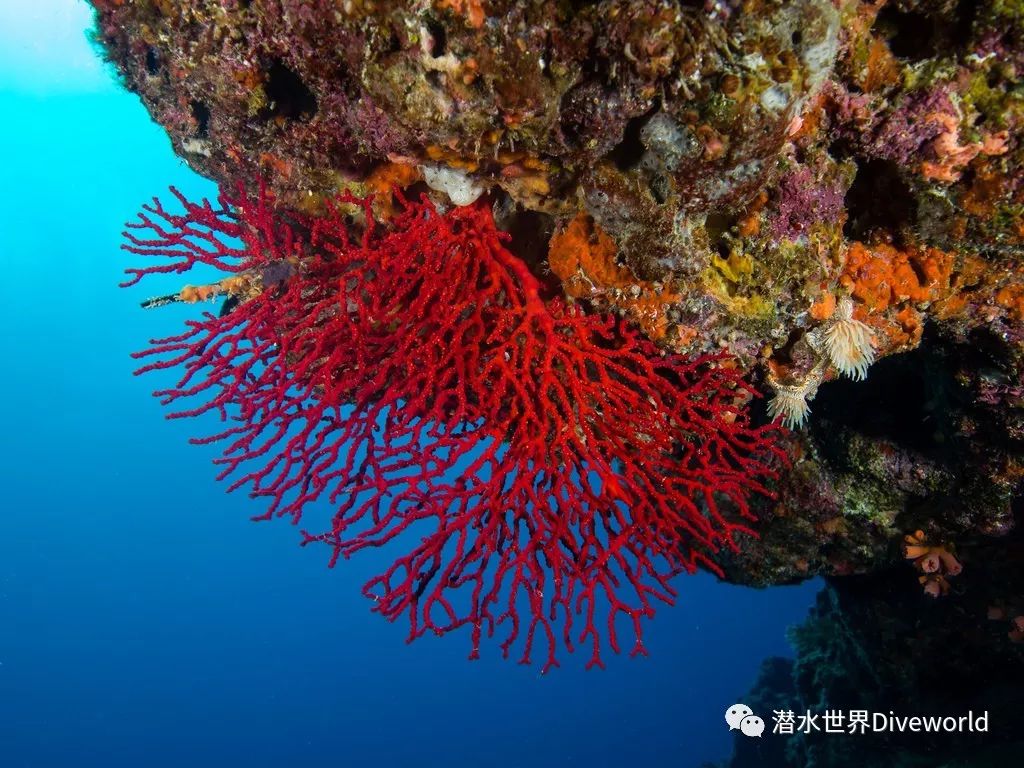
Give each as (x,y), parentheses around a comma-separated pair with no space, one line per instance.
(546,471)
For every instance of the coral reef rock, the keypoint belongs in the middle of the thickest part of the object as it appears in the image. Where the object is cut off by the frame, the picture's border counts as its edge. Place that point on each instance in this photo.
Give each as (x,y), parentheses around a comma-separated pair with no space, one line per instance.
(873,644)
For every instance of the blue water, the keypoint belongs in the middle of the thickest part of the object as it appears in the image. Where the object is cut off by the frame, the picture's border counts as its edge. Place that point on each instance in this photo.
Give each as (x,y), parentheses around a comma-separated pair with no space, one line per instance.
(144,621)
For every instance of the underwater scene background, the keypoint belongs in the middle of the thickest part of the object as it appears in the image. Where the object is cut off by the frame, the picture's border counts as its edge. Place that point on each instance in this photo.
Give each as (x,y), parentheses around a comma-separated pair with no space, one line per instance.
(145,621)
(513,312)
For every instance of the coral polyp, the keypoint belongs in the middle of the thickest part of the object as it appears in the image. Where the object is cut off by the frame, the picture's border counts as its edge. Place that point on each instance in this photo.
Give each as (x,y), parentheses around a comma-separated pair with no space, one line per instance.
(546,470)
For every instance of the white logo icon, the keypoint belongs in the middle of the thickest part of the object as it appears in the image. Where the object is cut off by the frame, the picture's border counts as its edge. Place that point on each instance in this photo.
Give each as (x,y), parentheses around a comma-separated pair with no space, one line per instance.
(735,714)
(752,725)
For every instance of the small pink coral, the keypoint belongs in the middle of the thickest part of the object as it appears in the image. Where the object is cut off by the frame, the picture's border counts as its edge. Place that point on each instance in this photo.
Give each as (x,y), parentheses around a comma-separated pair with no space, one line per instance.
(935,562)
(1017,632)
(930,563)
(935,585)
(950,565)
(952,156)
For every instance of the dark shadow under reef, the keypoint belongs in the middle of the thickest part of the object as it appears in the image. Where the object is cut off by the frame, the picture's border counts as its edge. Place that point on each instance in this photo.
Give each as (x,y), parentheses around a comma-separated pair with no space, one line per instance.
(875,643)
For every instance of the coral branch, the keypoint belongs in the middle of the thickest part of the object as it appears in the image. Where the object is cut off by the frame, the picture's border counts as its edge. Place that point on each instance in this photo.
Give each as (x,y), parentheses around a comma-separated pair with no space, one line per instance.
(547,471)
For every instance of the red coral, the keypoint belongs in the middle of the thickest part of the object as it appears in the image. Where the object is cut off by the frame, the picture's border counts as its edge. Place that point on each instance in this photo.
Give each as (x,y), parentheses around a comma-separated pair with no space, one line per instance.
(541,465)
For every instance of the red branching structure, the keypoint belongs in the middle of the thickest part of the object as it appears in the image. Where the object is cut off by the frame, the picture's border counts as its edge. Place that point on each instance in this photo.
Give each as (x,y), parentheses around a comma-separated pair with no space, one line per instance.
(547,471)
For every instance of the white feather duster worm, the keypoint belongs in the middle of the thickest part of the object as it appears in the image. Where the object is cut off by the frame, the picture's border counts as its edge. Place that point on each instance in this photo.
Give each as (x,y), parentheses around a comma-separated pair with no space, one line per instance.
(849,343)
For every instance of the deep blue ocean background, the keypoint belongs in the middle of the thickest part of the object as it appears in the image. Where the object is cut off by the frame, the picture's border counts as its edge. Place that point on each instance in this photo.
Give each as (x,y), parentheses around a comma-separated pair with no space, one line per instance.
(145,621)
